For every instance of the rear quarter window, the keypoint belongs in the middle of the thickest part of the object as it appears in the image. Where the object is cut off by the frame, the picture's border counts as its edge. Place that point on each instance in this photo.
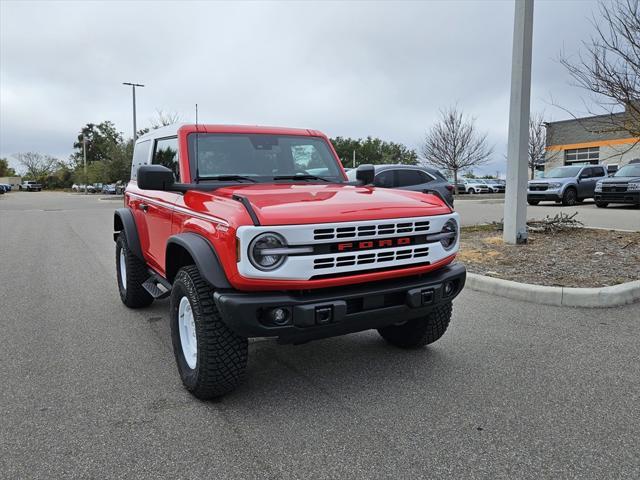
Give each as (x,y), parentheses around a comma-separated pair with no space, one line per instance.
(140,157)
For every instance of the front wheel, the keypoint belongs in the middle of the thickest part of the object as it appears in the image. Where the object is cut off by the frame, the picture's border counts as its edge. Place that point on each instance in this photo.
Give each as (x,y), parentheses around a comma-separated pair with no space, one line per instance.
(131,273)
(570,197)
(471,191)
(419,331)
(211,358)
(602,204)
(533,202)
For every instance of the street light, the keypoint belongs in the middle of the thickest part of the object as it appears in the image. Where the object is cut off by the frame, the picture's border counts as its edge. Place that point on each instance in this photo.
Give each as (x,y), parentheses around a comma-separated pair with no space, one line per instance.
(133,89)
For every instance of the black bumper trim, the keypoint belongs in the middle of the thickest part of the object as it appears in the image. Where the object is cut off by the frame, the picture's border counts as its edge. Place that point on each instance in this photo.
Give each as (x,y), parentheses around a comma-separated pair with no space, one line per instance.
(544,196)
(354,308)
(618,197)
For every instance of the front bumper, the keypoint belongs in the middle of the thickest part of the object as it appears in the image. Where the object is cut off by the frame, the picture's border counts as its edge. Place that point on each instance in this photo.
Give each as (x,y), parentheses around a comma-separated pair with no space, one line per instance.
(618,197)
(337,311)
(540,195)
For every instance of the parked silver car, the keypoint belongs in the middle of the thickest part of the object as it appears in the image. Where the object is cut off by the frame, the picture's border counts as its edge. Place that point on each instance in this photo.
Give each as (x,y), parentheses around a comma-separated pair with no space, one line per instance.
(569,185)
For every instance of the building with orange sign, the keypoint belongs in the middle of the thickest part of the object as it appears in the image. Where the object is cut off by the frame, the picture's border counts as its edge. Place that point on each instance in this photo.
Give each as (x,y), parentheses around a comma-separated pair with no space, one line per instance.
(593,140)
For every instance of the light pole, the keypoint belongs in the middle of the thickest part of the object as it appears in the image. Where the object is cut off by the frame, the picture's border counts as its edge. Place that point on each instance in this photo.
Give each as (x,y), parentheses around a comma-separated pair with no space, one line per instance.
(84,156)
(133,89)
(515,201)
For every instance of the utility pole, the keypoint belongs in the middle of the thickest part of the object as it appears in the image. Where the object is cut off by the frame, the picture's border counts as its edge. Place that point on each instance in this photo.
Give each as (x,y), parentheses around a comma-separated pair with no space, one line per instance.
(133,89)
(84,157)
(354,159)
(515,205)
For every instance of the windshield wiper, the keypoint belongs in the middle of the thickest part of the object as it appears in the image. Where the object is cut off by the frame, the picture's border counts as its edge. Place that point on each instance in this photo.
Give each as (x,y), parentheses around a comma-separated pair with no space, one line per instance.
(305,176)
(224,178)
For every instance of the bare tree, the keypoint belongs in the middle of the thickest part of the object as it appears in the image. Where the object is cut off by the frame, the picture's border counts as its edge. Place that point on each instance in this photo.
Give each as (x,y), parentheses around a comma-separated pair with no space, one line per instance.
(609,69)
(453,143)
(537,141)
(36,165)
(164,118)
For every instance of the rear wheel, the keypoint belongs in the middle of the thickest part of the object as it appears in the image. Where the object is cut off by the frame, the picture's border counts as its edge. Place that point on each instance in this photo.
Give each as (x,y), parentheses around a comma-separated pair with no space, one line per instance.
(420,331)
(602,204)
(211,358)
(570,197)
(131,272)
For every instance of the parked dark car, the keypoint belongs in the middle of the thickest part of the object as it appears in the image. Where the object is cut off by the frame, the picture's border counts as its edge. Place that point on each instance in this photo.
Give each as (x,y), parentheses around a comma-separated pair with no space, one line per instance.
(6,187)
(410,177)
(109,189)
(623,187)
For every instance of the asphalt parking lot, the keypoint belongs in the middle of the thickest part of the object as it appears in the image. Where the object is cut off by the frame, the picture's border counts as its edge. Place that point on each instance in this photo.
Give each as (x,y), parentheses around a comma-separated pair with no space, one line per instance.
(90,390)
(476,209)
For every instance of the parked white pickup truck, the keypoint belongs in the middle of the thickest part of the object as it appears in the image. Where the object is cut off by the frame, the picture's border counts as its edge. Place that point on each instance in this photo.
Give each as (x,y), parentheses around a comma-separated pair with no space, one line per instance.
(31,186)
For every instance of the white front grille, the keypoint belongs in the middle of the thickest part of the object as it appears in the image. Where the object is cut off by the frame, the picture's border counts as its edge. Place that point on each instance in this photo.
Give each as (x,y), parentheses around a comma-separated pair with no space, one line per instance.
(373,230)
(372,258)
(304,267)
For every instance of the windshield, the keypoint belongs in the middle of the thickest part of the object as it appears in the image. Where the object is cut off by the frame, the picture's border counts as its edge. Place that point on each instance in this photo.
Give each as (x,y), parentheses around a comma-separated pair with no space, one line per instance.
(261,157)
(563,172)
(628,171)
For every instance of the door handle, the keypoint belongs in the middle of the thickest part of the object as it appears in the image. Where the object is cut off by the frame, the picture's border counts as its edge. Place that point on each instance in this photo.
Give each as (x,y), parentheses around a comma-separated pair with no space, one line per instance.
(143,206)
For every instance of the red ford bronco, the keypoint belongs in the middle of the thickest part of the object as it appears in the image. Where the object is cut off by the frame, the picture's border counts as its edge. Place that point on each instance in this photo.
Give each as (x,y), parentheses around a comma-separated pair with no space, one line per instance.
(256,232)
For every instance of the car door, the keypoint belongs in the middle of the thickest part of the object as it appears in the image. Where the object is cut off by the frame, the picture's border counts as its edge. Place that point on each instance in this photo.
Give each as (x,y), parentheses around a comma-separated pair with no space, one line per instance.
(385,179)
(597,173)
(153,209)
(412,179)
(585,183)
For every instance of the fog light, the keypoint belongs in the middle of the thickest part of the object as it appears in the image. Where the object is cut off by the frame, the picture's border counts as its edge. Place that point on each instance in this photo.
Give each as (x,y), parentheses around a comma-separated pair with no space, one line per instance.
(449,288)
(279,316)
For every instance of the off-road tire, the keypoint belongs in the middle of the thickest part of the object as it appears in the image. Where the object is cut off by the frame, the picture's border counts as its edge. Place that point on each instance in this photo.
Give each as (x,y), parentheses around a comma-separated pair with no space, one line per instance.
(133,294)
(602,204)
(569,197)
(221,359)
(533,202)
(420,331)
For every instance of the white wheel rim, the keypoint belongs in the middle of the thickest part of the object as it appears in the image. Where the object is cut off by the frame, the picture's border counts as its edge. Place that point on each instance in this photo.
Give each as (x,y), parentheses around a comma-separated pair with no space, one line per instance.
(187,329)
(123,269)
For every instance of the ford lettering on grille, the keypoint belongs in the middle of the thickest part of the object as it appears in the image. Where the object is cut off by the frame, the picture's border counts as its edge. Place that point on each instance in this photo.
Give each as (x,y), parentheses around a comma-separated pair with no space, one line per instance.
(368,244)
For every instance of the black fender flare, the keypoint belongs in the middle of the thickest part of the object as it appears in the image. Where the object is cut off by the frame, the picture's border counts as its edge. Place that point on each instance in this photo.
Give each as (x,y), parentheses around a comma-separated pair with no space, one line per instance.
(123,221)
(202,253)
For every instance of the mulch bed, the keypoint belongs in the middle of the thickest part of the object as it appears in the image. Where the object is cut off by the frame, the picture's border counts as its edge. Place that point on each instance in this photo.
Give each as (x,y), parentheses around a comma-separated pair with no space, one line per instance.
(577,257)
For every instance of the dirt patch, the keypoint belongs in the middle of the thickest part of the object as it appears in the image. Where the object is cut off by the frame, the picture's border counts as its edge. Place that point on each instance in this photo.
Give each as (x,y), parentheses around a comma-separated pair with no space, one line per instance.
(579,257)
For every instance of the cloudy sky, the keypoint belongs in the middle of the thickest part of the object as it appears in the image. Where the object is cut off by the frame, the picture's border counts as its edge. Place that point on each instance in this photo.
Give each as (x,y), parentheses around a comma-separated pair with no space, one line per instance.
(346,68)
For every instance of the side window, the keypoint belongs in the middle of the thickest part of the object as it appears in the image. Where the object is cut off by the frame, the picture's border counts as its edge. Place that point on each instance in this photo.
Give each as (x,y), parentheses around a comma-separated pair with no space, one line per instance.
(597,172)
(384,179)
(140,157)
(585,173)
(166,154)
(411,177)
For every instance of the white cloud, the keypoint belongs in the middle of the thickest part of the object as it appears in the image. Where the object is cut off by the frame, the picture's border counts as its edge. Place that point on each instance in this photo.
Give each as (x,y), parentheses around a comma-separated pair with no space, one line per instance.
(350,69)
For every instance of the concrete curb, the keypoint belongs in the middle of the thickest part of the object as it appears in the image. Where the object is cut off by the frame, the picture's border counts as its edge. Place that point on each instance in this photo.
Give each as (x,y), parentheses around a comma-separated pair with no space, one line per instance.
(623,294)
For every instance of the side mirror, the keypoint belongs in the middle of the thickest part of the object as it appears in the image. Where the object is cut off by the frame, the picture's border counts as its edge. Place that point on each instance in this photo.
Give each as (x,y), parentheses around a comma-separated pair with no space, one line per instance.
(365,174)
(155,177)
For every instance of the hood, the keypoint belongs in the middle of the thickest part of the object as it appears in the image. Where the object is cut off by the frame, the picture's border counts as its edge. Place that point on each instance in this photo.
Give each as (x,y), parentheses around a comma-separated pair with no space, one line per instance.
(551,180)
(288,204)
(621,179)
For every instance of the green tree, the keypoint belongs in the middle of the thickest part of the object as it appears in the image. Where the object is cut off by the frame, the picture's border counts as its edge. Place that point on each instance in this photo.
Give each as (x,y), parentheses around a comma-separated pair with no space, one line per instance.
(101,139)
(5,169)
(373,150)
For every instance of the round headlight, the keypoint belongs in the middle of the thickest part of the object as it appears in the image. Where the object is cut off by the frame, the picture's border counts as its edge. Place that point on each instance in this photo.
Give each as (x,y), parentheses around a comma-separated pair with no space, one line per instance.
(262,254)
(451,226)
